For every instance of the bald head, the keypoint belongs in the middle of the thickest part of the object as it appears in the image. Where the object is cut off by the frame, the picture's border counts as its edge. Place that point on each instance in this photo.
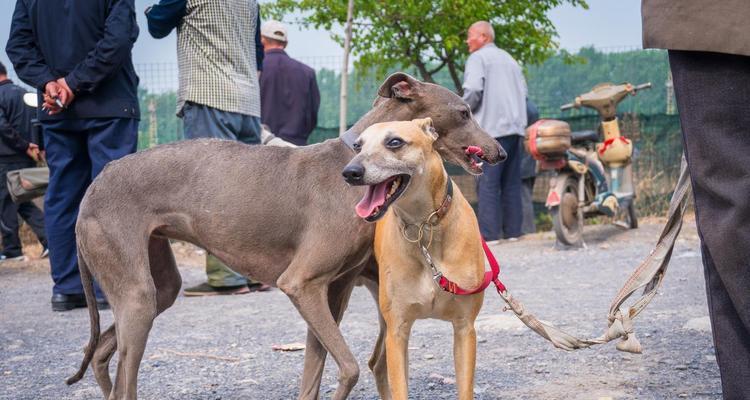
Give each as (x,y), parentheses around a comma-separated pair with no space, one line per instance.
(480,33)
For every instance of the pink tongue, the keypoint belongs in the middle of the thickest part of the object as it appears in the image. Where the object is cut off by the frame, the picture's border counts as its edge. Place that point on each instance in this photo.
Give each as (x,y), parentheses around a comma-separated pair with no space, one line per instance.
(374,197)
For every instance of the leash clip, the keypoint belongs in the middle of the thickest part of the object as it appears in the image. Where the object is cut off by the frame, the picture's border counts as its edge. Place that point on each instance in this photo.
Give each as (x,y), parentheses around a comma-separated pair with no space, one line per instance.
(436,274)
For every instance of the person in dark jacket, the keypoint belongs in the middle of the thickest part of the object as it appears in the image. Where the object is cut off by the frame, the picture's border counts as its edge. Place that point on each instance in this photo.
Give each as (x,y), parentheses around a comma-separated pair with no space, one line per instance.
(289,96)
(709,55)
(16,152)
(77,54)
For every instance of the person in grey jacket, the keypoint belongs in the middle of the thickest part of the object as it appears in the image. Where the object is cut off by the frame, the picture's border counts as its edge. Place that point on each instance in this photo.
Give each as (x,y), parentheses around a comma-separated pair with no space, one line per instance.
(495,89)
(709,55)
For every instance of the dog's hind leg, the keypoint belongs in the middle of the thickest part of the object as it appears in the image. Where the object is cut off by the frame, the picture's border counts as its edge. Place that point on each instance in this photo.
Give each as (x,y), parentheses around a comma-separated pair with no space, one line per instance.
(166,276)
(167,281)
(306,284)
(102,356)
(339,294)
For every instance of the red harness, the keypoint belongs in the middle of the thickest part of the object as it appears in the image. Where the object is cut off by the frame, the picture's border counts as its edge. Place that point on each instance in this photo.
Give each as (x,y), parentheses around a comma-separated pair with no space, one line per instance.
(489,276)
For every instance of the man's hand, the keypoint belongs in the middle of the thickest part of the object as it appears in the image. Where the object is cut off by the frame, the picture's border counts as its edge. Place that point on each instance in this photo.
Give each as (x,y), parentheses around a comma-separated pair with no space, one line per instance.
(52,91)
(57,90)
(33,152)
(67,96)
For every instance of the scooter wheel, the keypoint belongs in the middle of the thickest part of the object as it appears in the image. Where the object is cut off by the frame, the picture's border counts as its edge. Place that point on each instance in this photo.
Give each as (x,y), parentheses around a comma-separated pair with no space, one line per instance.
(567,219)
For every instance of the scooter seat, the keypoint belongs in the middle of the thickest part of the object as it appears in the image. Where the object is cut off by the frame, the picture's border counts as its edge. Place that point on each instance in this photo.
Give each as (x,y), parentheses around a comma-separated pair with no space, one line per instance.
(584,136)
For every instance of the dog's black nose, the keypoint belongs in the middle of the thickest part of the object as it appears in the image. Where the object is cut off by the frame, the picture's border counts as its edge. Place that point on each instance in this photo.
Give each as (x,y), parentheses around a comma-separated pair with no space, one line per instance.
(354,173)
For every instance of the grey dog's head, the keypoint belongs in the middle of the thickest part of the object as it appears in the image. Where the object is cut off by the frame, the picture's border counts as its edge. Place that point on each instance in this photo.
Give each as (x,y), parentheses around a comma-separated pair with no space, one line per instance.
(389,156)
(461,140)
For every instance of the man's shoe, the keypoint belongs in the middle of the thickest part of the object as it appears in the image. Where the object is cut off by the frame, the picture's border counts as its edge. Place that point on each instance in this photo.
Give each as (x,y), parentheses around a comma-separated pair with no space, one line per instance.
(67,302)
(102,303)
(204,289)
(258,287)
(11,257)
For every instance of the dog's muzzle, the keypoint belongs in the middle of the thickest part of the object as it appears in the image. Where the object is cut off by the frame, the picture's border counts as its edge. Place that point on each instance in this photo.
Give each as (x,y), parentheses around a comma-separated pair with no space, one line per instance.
(354,174)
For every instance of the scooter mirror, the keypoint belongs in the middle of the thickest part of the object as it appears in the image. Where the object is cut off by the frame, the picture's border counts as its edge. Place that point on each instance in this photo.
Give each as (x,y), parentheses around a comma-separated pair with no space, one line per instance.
(31,100)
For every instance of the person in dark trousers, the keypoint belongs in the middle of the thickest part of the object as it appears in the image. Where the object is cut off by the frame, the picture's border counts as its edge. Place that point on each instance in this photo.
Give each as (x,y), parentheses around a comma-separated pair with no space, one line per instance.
(220,57)
(289,96)
(16,152)
(528,174)
(77,54)
(709,55)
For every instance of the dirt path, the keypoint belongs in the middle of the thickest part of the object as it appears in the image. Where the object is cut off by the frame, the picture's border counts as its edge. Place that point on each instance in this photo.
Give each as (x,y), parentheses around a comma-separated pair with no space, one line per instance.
(220,347)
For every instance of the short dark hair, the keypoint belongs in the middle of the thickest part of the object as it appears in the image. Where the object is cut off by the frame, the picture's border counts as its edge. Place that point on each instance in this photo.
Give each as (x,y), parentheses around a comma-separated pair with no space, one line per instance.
(3,71)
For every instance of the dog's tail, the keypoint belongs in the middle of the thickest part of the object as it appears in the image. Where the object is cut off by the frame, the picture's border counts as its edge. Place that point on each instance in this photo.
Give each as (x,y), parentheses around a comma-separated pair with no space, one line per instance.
(88,290)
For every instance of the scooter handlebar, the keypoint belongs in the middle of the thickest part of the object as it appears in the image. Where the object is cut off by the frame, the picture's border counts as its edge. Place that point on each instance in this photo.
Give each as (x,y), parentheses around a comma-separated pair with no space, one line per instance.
(566,107)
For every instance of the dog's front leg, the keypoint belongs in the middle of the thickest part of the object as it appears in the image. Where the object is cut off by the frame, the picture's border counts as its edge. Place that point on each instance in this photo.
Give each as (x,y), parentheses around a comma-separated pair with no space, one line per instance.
(464,356)
(397,356)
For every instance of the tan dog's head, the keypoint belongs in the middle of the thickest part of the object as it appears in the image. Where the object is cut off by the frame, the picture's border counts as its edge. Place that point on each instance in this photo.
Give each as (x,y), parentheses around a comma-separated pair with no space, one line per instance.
(389,155)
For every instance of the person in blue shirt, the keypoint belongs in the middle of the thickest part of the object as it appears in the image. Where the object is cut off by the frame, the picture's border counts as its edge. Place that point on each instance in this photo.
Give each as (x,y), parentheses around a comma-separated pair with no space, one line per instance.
(77,54)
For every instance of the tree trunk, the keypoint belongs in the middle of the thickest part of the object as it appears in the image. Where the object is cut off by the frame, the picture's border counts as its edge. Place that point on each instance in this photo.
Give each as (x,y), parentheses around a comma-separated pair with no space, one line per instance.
(426,75)
(345,69)
(454,76)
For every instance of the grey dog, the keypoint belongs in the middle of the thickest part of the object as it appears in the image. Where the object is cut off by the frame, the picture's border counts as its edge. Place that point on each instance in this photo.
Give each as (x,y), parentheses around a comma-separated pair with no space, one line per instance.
(277,214)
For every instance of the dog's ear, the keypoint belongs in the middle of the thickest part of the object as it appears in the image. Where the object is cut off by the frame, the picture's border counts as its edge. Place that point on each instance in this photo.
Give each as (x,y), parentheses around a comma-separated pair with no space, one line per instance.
(399,85)
(426,125)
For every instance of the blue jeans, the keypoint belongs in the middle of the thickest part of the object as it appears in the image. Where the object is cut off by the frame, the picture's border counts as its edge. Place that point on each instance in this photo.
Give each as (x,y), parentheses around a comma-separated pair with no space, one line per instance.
(207,122)
(77,150)
(499,194)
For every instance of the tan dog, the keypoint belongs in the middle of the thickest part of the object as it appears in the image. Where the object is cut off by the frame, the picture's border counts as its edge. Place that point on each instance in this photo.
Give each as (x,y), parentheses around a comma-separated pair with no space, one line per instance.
(398,163)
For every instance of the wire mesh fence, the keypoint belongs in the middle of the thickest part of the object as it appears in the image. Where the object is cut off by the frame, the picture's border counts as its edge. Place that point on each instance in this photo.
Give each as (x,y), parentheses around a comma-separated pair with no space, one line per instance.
(648,118)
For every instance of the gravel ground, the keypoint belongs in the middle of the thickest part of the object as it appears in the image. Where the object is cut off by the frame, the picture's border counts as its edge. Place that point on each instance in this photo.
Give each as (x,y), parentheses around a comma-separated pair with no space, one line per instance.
(220,347)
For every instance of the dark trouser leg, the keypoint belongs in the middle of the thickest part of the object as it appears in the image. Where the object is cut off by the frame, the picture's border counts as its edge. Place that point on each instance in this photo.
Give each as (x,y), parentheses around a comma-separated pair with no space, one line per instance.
(510,188)
(488,201)
(9,213)
(69,168)
(77,150)
(712,91)
(34,217)
(527,205)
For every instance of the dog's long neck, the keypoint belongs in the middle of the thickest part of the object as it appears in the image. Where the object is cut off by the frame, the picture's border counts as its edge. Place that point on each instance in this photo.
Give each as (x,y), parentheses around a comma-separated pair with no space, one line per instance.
(426,193)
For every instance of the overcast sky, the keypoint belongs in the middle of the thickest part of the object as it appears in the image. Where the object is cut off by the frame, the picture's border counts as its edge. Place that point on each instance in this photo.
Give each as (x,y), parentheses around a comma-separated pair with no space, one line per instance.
(607,23)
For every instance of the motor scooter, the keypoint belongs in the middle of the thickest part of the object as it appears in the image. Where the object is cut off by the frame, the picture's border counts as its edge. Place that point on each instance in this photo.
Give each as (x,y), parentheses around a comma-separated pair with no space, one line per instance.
(592,177)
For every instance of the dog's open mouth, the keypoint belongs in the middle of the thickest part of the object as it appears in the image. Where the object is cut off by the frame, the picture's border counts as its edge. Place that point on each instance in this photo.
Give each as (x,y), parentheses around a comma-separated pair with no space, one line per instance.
(380,196)
(475,158)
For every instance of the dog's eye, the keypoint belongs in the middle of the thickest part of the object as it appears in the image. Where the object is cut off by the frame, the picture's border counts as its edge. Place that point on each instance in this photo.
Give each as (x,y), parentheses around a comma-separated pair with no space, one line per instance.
(395,143)
(357,146)
(465,114)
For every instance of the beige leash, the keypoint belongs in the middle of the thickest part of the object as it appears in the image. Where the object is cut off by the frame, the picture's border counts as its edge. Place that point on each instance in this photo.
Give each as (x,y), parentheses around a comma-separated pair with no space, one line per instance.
(649,275)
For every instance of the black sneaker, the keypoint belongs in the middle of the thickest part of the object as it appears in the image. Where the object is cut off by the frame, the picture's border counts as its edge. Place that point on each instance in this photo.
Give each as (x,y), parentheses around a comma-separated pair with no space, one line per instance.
(12,257)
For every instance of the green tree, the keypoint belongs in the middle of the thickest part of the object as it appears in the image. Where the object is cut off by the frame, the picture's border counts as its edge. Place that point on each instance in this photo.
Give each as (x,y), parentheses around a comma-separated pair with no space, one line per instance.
(429,35)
